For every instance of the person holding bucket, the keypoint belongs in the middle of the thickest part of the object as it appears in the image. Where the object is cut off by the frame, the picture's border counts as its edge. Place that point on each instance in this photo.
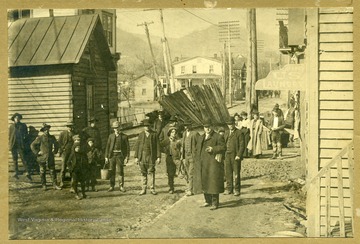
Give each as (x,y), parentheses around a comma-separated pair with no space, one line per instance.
(147,154)
(117,153)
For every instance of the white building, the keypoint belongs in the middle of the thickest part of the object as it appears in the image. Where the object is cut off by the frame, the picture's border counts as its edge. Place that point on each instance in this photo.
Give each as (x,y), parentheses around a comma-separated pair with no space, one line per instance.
(197,71)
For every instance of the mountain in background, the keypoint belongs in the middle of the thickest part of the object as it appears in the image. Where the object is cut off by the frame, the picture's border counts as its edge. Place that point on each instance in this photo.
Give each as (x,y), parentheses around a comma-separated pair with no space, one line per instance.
(136,56)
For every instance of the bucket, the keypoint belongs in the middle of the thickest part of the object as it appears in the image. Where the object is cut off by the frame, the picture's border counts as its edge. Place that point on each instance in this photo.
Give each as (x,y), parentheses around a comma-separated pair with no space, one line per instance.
(104,174)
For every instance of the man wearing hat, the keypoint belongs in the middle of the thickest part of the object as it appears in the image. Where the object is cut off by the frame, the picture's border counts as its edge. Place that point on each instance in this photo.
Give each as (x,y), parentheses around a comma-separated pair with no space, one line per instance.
(93,132)
(188,154)
(45,147)
(65,143)
(17,136)
(117,153)
(277,126)
(235,146)
(208,172)
(147,155)
(159,123)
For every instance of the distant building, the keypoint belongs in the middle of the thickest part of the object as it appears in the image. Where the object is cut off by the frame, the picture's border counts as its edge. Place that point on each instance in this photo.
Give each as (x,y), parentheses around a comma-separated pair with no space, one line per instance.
(197,71)
(239,77)
(144,89)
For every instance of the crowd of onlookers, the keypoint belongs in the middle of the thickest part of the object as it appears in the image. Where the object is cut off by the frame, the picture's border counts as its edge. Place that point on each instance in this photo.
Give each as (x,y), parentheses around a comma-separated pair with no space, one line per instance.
(203,160)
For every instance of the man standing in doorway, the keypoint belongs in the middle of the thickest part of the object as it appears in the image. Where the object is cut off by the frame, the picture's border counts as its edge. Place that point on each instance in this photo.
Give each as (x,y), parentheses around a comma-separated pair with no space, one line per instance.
(93,132)
(65,142)
(147,155)
(17,135)
(117,153)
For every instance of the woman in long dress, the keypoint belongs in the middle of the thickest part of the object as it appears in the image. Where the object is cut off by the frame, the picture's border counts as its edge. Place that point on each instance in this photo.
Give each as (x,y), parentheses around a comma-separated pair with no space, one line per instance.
(256,129)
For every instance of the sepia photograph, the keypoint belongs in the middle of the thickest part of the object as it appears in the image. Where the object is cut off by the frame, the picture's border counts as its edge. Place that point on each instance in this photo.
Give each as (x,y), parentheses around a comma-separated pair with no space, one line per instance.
(174,123)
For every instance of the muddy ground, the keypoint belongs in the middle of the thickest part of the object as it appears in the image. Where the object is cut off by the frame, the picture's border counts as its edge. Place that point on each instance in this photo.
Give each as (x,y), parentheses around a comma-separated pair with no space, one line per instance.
(268,187)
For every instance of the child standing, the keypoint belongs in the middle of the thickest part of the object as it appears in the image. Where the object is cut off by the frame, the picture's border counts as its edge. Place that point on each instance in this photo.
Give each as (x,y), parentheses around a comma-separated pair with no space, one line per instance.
(93,156)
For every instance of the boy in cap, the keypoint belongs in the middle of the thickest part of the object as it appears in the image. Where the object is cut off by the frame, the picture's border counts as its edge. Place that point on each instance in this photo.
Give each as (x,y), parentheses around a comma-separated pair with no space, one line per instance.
(65,142)
(277,126)
(17,136)
(78,165)
(45,147)
(94,156)
(147,154)
(117,153)
(93,132)
(172,147)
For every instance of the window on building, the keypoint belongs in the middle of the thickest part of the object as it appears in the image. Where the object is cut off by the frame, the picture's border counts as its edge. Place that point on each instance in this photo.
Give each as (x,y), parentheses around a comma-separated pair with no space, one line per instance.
(194,69)
(182,69)
(211,69)
(107,22)
(183,84)
(18,14)
(143,92)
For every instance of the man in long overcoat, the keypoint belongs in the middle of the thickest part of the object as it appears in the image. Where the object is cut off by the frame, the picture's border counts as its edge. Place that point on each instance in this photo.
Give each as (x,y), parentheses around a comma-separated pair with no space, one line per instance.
(93,132)
(117,153)
(256,128)
(147,154)
(17,136)
(45,147)
(208,173)
(235,145)
(66,143)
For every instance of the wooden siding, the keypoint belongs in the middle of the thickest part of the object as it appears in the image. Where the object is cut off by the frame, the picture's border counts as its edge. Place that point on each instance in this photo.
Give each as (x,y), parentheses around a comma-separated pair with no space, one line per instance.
(335,109)
(91,71)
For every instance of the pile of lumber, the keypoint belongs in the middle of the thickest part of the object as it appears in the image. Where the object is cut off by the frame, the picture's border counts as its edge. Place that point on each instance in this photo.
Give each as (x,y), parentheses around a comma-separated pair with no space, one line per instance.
(197,104)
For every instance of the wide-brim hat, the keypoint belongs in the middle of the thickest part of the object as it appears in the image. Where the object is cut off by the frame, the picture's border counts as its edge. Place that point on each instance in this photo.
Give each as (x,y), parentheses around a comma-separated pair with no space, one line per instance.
(236,114)
(243,113)
(145,122)
(70,122)
(90,139)
(45,126)
(93,119)
(230,121)
(16,115)
(207,123)
(76,137)
(170,130)
(115,124)
(221,129)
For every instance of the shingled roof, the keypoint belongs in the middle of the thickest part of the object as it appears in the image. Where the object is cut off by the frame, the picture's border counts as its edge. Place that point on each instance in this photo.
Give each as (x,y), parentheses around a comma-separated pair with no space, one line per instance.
(54,40)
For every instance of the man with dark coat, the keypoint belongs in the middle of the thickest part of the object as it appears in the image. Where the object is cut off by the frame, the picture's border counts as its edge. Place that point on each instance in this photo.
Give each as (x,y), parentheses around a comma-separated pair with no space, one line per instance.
(17,136)
(66,143)
(93,132)
(117,153)
(235,146)
(188,154)
(208,172)
(45,147)
(159,123)
(147,155)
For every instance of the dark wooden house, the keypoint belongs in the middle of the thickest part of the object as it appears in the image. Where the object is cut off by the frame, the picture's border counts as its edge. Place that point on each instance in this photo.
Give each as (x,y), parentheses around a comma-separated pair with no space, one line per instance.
(61,68)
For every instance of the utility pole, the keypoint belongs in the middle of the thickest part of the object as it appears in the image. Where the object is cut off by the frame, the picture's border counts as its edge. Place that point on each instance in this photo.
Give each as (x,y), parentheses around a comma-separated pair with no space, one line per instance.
(160,89)
(167,57)
(251,77)
(229,30)
(223,67)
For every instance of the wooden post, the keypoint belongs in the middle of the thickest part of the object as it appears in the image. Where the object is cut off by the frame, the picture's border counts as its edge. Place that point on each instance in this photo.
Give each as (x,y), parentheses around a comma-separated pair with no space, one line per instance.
(254,72)
(249,65)
(328,203)
(230,75)
(341,197)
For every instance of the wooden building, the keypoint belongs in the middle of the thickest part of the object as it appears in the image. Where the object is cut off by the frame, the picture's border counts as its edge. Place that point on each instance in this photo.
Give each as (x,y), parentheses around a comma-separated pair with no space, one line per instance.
(144,89)
(324,73)
(61,68)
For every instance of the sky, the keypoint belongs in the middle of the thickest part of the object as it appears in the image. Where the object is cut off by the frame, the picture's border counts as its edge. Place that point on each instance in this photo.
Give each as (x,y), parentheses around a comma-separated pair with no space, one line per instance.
(180,22)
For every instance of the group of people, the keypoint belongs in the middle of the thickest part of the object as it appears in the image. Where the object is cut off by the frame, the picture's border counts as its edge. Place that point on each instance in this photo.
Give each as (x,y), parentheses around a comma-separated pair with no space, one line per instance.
(203,161)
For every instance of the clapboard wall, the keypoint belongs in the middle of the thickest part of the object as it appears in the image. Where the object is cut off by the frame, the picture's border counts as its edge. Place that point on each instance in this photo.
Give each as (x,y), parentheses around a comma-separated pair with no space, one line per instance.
(336,107)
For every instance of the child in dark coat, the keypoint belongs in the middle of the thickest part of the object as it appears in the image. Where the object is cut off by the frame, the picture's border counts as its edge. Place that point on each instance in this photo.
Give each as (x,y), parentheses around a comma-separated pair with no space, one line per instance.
(93,156)
(78,165)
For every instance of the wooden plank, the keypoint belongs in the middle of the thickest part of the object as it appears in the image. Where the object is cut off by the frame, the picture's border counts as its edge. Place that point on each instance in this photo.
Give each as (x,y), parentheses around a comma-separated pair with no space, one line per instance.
(40,91)
(338,27)
(21,85)
(328,153)
(336,76)
(40,79)
(337,10)
(51,108)
(335,144)
(336,66)
(325,161)
(336,56)
(336,86)
(335,191)
(336,95)
(336,37)
(336,47)
(327,197)
(335,202)
(341,198)
(351,183)
(334,183)
(337,124)
(41,101)
(39,96)
(337,105)
(336,18)
(334,211)
(37,112)
(329,114)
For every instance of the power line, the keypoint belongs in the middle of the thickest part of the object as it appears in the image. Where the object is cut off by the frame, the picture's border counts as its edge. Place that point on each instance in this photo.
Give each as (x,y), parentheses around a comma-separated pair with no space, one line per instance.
(199,17)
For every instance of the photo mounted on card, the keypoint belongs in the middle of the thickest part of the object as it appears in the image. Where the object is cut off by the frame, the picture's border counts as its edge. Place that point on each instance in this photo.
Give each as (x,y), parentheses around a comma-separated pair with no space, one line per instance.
(220,115)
